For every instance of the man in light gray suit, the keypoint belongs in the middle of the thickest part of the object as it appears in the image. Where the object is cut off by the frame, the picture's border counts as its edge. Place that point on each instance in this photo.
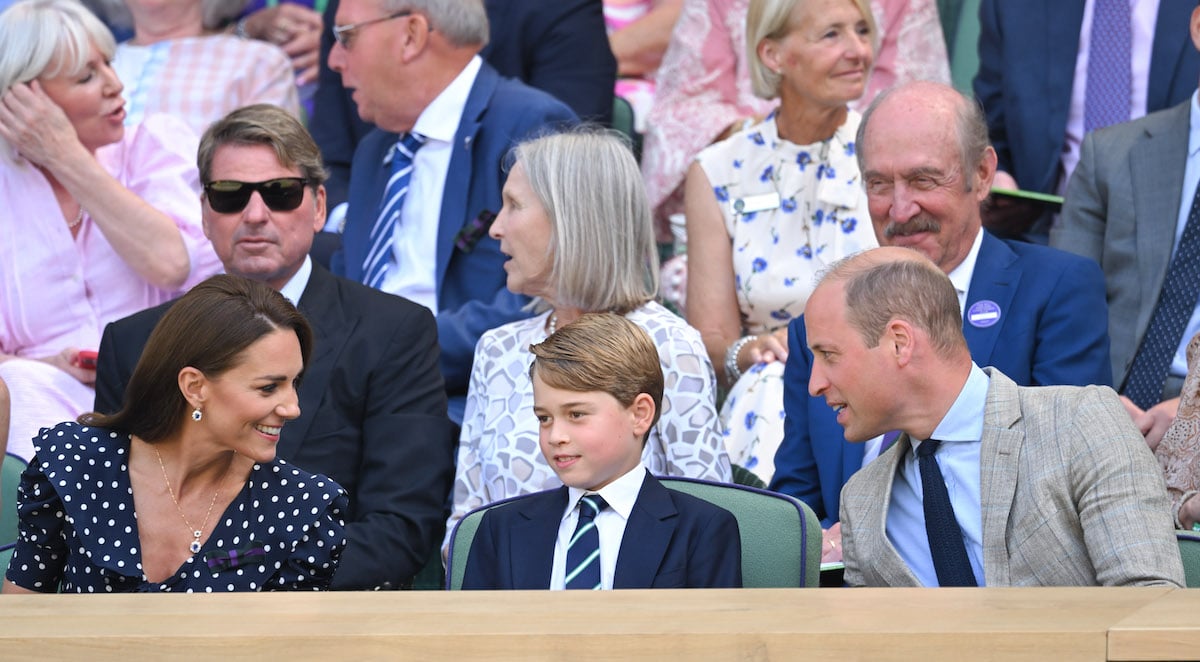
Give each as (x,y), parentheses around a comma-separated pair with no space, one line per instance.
(1127,205)
(989,483)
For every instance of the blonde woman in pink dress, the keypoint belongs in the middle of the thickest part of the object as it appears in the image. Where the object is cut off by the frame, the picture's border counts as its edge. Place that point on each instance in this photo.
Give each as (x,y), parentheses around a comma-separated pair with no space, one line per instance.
(99,221)
(704,93)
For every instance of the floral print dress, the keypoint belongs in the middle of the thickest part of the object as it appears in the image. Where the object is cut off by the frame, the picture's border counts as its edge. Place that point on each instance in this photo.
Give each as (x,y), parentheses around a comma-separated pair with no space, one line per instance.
(790,211)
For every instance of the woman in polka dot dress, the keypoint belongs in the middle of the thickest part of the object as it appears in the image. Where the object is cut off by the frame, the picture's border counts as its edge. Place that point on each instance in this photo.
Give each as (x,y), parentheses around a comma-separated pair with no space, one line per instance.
(181,489)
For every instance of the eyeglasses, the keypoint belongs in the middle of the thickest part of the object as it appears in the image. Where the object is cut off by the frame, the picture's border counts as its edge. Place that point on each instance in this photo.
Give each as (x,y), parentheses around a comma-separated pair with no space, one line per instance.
(343,34)
(230,197)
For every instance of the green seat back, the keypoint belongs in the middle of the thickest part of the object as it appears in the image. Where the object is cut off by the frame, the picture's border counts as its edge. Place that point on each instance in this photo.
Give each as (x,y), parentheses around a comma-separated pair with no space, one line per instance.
(1189,550)
(10,479)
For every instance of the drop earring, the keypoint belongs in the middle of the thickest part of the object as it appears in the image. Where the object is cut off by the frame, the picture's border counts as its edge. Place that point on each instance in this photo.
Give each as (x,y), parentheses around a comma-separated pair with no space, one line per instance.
(197,414)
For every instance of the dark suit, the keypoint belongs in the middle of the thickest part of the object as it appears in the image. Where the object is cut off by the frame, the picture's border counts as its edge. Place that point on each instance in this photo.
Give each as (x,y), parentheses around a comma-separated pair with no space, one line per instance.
(472,297)
(672,540)
(373,418)
(1052,330)
(1027,52)
(1121,211)
(557,46)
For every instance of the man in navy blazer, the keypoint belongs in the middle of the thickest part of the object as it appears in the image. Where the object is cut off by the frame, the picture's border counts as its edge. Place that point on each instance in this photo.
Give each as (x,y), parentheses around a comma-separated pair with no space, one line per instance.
(514,545)
(1036,313)
(1027,60)
(372,404)
(400,65)
(558,46)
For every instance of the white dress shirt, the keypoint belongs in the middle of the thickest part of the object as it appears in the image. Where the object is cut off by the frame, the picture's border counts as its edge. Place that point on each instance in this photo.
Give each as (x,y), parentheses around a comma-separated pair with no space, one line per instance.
(621,495)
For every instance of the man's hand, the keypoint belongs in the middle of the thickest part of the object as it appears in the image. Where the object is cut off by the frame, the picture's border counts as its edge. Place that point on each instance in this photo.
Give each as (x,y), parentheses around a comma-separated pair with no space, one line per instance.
(831,544)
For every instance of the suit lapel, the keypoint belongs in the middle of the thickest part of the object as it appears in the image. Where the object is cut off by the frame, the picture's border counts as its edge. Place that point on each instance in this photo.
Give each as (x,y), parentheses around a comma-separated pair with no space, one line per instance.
(648,533)
(882,560)
(1167,50)
(533,537)
(454,213)
(1156,165)
(331,326)
(995,279)
(999,464)
(1059,18)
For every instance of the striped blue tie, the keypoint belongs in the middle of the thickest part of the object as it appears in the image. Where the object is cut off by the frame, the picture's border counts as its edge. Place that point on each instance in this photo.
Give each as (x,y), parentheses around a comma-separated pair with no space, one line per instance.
(583,552)
(379,257)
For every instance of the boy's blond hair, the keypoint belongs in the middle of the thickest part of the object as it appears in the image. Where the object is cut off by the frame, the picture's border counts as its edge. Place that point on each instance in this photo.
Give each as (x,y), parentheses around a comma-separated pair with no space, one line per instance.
(601,352)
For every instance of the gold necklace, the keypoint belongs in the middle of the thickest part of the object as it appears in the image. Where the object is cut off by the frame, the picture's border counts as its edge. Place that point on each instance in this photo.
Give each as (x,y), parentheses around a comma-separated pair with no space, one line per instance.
(194,545)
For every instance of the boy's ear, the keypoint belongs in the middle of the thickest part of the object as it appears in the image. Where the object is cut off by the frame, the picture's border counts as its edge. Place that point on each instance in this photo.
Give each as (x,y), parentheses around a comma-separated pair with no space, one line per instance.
(642,411)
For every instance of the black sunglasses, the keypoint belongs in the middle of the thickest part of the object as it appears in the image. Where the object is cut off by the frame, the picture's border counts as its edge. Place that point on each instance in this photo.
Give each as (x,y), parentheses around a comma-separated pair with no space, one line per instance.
(229,197)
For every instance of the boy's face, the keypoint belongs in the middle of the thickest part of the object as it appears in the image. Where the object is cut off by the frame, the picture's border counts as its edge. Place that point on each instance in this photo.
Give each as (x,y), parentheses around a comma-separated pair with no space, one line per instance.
(588,437)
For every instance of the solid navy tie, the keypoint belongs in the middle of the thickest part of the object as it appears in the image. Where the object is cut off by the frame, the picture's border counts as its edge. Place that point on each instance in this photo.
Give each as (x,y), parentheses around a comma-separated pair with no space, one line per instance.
(583,552)
(945,537)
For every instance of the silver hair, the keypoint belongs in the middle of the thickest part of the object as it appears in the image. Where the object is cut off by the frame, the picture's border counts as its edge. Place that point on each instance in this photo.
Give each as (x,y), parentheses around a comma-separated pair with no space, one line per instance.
(48,38)
(463,22)
(969,122)
(602,236)
(214,14)
(771,19)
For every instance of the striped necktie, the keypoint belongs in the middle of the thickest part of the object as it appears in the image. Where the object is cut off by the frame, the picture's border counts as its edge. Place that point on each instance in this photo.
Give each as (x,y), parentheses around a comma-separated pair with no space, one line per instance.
(379,257)
(583,552)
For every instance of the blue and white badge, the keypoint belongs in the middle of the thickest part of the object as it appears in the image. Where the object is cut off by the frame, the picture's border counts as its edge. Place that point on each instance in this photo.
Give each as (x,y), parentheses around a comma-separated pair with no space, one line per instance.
(983,314)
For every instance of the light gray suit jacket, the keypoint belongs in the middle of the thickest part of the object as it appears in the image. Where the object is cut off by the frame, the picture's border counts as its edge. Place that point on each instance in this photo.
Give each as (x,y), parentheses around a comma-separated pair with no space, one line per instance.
(1121,209)
(1071,496)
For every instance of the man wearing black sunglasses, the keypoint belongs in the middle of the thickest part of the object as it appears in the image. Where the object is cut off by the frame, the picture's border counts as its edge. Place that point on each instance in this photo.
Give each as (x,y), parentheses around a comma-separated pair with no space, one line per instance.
(373,406)
(424,184)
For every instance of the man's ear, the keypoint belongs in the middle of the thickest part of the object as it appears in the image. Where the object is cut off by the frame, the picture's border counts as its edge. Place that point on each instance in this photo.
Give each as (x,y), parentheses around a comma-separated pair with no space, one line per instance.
(899,336)
(642,411)
(415,38)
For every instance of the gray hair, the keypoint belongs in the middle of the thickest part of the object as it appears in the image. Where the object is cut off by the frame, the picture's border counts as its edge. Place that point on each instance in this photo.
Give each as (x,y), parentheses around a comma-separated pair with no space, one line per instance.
(48,38)
(463,22)
(602,236)
(269,125)
(969,122)
(771,19)
(214,14)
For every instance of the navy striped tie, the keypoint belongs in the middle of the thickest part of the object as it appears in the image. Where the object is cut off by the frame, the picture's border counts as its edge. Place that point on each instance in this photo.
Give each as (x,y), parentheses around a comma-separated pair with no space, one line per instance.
(583,552)
(379,257)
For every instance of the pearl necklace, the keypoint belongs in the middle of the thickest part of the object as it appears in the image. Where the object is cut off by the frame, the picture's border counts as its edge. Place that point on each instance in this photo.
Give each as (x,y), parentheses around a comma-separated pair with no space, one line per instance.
(78,219)
(552,325)
(194,545)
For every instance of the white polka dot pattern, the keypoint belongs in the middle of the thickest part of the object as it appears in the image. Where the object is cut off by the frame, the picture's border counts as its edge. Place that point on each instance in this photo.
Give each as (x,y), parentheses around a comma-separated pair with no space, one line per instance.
(78,529)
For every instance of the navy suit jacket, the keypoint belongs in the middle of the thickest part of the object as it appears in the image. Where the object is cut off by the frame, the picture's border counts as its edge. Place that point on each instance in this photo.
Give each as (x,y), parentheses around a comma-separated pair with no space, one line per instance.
(1053,329)
(472,297)
(1027,51)
(558,46)
(372,417)
(672,540)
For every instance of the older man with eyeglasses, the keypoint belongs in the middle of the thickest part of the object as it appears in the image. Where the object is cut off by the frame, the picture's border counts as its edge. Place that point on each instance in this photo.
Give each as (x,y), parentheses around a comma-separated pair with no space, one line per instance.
(373,407)
(425,183)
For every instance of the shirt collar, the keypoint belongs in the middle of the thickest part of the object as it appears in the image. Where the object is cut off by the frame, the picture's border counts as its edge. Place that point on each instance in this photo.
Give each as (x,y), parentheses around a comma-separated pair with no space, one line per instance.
(960,276)
(964,420)
(294,288)
(440,119)
(620,494)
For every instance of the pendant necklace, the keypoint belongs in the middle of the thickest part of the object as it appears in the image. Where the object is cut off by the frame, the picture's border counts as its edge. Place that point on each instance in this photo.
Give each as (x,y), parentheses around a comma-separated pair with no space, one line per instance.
(194,545)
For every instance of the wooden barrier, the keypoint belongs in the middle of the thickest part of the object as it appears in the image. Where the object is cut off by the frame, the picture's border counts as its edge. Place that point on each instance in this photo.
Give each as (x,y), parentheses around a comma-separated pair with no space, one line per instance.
(1164,629)
(1057,624)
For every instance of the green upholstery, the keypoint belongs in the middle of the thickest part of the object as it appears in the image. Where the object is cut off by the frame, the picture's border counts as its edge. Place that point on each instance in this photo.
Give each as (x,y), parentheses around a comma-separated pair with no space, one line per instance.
(623,121)
(6,553)
(1189,549)
(743,476)
(781,537)
(10,478)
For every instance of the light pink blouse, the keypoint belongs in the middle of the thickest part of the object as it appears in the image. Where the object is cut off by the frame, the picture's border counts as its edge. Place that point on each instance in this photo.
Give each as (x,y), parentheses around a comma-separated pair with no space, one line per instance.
(704,82)
(59,291)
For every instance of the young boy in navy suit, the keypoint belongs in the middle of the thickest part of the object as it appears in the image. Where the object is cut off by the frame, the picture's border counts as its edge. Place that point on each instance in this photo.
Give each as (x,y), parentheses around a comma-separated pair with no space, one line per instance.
(597,388)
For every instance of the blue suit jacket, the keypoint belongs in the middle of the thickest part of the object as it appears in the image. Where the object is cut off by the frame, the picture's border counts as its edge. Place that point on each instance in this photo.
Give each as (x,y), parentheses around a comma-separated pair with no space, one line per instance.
(1053,329)
(472,297)
(557,46)
(672,540)
(1027,51)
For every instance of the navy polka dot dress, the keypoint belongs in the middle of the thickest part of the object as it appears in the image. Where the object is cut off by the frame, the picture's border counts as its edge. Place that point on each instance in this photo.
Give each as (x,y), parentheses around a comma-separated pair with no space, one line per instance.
(78,529)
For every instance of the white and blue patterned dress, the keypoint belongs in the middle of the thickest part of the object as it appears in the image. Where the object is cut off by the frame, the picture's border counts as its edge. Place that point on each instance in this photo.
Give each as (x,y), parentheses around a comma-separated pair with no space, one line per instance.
(820,217)
(498,452)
